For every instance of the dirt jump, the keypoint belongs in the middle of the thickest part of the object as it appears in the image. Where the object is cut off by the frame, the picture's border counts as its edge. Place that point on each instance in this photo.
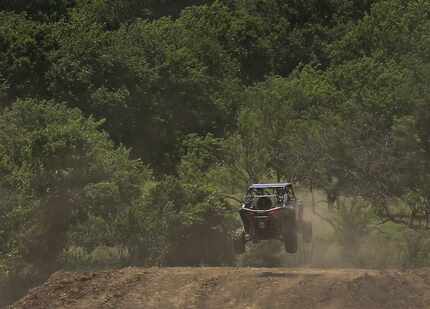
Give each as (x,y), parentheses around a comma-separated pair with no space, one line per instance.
(237,288)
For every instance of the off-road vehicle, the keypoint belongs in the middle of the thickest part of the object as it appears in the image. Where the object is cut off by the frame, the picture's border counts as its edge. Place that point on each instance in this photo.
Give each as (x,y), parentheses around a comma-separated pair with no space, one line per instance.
(271,211)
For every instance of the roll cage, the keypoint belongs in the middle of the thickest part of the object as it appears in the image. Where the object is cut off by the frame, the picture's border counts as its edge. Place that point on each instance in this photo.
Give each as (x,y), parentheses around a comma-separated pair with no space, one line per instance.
(279,194)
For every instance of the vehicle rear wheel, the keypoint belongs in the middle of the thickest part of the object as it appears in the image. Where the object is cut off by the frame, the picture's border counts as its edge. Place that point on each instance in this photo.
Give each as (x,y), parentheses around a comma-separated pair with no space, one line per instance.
(290,243)
(290,239)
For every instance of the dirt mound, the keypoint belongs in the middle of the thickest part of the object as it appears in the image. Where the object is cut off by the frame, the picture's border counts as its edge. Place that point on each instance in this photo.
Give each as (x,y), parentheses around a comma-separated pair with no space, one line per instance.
(232,288)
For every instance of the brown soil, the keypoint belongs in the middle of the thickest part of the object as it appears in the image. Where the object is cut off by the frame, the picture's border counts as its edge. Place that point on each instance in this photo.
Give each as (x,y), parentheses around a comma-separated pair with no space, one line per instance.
(236,288)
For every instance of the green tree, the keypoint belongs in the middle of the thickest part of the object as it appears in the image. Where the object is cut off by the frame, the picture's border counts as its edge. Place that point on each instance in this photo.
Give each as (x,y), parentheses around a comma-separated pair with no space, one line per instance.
(44,10)
(58,169)
(279,115)
(24,46)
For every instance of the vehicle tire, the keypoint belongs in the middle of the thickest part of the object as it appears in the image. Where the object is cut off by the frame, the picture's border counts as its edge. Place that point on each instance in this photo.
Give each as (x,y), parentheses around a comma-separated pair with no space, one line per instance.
(307,231)
(239,243)
(290,236)
(290,242)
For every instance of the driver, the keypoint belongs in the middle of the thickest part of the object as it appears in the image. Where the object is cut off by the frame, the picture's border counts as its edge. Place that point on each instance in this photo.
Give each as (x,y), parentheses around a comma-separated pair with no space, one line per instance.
(264,203)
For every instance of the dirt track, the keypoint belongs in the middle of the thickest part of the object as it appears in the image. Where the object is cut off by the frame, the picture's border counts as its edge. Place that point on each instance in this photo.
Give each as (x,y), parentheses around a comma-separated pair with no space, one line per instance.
(233,288)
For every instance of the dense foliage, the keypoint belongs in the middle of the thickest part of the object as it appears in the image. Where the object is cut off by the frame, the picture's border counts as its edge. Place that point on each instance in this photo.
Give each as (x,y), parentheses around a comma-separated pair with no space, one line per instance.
(135,125)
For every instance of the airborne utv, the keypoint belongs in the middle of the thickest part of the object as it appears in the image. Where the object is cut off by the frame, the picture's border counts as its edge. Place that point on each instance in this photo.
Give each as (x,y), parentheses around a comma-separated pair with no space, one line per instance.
(271,211)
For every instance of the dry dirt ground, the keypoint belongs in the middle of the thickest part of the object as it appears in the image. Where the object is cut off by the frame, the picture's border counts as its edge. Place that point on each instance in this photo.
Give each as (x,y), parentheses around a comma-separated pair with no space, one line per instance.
(233,288)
